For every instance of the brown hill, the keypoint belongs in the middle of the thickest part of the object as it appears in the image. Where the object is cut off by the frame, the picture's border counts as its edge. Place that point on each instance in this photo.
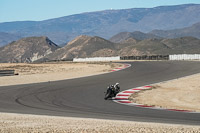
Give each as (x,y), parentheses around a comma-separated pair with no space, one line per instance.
(183,45)
(27,49)
(84,46)
(122,36)
(193,31)
(144,47)
(129,40)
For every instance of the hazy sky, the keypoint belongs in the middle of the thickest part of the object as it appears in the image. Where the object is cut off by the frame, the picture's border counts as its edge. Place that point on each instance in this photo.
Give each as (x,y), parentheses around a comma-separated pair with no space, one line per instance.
(36,10)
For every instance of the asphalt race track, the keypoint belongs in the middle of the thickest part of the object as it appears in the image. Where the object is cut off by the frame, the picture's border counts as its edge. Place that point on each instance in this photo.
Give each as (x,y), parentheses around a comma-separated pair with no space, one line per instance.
(84,97)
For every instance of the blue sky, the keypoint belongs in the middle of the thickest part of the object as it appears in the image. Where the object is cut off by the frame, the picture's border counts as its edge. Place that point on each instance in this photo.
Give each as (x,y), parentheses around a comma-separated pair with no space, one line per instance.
(37,10)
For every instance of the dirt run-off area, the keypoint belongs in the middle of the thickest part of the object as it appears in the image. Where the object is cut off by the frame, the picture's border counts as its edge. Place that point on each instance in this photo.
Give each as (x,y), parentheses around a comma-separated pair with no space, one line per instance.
(18,123)
(183,94)
(35,73)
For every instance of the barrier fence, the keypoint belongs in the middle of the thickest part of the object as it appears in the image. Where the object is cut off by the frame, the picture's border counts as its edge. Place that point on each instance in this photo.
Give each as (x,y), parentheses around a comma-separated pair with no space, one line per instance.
(144,57)
(7,72)
(185,57)
(96,59)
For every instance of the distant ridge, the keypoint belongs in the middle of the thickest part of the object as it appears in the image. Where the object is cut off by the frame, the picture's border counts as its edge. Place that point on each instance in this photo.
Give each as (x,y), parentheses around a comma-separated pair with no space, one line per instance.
(6,38)
(193,31)
(107,23)
(120,37)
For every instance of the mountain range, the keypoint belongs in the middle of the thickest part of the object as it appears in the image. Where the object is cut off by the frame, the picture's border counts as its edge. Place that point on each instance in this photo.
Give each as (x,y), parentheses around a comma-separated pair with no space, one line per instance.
(193,31)
(107,23)
(6,38)
(42,49)
(87,46)
(128,32)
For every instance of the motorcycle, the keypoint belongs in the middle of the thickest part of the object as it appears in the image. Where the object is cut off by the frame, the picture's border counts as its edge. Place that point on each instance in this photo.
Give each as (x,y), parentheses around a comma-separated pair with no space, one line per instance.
(110,93)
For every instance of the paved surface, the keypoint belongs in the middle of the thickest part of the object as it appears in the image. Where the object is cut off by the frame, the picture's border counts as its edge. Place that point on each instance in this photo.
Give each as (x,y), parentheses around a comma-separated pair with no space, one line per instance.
(84,97)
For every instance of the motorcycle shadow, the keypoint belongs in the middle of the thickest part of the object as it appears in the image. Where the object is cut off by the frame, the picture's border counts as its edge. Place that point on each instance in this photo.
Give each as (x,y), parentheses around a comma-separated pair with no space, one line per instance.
(111,99)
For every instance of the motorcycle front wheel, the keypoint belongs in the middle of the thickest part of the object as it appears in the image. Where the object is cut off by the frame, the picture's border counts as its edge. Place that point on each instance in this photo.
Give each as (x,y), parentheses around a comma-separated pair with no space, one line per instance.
(108,93)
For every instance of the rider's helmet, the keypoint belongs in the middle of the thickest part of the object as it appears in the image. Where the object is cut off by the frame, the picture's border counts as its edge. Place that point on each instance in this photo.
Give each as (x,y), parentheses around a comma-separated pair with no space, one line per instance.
(117,84)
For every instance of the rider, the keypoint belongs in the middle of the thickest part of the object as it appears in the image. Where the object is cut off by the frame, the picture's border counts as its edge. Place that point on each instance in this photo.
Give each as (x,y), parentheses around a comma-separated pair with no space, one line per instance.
(117,88)
(112,87)
(114,90)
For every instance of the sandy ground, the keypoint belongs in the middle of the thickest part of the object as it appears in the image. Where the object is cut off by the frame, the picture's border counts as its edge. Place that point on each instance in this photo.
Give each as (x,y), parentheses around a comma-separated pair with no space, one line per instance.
(21,123)
(17,123)
(35,73)
(183,93)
